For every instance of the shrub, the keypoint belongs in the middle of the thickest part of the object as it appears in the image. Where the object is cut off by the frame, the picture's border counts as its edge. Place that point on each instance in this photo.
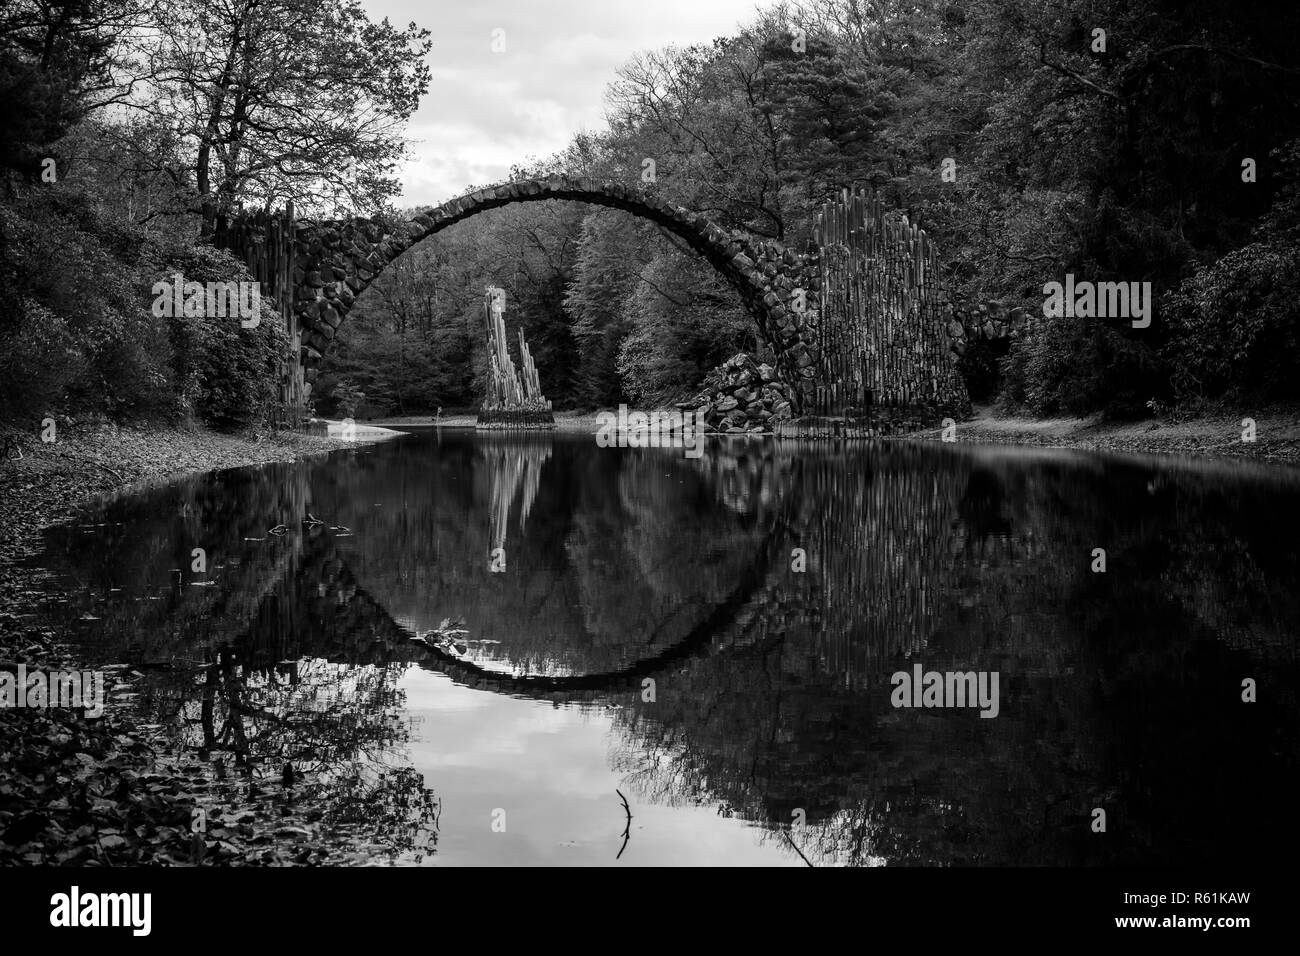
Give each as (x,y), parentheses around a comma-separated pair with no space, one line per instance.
(1235,325)
(80,334)
(1077,366)
(41,360)
(76,335)
(226,375)
(347,398)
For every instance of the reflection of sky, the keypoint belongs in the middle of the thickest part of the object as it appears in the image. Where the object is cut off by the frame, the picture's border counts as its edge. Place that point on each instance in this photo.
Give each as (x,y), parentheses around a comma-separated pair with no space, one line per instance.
(548,768)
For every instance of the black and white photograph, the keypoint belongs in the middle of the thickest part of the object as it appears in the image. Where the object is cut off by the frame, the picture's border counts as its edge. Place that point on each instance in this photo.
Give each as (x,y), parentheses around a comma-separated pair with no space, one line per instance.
(694,434)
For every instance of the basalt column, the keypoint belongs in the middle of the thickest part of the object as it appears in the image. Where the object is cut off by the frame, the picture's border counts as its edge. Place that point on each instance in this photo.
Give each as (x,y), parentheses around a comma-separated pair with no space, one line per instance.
(511,402)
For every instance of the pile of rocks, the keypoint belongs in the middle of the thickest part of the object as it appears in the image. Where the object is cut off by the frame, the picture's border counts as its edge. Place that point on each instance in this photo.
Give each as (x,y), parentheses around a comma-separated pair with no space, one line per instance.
(742,396)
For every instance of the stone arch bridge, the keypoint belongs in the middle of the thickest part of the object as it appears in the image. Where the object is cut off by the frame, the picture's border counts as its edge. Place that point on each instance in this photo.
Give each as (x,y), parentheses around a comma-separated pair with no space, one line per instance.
(317,268)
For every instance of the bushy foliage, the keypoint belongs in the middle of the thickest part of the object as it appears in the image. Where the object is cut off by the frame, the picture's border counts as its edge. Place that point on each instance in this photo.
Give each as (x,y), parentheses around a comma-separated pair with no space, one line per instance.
(347,397)
(396,375)
(604,275)
(75,322)
(225,374)
(679,335)
(1076,366)
(81,335)
(1235,325)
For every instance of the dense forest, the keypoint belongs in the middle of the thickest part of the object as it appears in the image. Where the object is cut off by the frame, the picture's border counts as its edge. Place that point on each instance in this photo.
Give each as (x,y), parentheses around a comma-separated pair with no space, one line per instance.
(1143,141)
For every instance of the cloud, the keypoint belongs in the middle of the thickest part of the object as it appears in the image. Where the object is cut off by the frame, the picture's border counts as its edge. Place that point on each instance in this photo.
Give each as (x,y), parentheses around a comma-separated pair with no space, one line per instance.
(486,111)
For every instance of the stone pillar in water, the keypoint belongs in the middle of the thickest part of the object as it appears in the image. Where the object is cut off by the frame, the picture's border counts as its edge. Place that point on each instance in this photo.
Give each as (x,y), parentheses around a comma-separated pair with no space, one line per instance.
(511,402)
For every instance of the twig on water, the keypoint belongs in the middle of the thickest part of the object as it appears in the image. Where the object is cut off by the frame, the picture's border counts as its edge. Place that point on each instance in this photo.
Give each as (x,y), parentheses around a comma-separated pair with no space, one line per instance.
(790,839)
(627,830)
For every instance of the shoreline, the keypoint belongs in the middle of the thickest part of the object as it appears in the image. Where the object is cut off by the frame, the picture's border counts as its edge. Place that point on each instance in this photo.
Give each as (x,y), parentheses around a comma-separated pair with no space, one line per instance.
(564,421)
(1211,436)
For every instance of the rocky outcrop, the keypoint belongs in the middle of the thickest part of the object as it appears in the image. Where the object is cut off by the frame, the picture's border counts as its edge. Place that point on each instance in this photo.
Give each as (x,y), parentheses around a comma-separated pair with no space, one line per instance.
(742,396)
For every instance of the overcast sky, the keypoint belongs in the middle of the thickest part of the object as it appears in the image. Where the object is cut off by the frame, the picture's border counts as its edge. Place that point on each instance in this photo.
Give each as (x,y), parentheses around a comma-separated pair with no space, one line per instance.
(486,111)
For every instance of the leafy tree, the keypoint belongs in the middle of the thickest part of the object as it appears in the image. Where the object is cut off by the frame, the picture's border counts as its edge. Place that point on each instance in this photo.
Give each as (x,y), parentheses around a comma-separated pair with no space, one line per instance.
(278,100)
(226,374)
(686,321)
(605,272)
(57,62)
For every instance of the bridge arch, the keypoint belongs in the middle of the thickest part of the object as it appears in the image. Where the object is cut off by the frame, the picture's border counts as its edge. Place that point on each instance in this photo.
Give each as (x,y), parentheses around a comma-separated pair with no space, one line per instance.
(337,260)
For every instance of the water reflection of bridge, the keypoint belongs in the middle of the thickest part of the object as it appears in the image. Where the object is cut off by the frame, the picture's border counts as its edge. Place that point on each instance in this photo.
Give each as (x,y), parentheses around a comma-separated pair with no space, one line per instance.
(878,536)
(772,685)
(323,609)
(756,696)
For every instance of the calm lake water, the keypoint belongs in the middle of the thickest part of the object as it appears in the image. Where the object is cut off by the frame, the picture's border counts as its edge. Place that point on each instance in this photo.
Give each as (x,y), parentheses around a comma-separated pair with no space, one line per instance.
(715,639)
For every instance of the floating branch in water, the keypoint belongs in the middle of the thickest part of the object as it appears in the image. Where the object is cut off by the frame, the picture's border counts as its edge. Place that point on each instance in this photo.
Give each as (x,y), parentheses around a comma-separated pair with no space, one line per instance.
(627,830)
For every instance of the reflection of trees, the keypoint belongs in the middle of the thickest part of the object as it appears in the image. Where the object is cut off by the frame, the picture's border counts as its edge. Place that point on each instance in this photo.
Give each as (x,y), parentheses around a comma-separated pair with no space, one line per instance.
(260,669)
(598,580)
(649,552)
(311,713)
(396,810)
(979,562)
(961,559)
(143,554)
(341,726)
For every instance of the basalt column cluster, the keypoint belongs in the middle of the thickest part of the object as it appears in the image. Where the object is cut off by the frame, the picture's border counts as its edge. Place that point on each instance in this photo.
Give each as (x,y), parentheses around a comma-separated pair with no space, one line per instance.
(512,401)
(881,330)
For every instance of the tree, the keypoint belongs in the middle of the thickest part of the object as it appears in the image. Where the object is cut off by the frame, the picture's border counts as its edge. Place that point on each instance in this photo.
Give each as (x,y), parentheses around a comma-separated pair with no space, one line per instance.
(57,62)
(277,100)
(701,114)
(605,272)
